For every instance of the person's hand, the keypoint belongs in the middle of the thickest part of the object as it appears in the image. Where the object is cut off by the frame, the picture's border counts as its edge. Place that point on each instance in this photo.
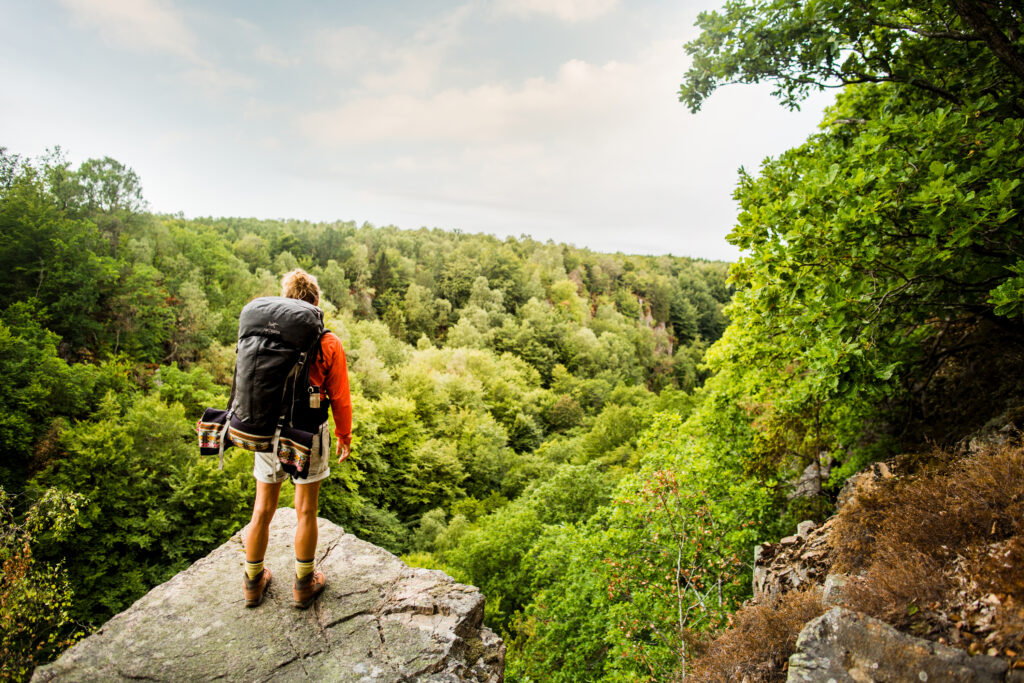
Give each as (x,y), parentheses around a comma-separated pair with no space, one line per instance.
(343,452)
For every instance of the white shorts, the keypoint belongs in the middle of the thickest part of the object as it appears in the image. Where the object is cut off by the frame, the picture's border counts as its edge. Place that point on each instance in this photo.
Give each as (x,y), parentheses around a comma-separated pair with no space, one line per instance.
(267,468)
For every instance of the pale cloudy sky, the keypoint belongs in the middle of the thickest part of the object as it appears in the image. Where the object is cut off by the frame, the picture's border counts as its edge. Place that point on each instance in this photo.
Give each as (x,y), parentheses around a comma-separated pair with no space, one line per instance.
(553,118)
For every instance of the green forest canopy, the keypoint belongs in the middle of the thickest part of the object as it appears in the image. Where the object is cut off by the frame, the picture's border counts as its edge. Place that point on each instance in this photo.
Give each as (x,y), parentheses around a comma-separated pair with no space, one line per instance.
(480,367)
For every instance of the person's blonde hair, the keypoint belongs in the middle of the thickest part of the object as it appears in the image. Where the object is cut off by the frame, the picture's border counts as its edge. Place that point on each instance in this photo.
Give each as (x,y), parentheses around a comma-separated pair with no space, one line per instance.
(298,284)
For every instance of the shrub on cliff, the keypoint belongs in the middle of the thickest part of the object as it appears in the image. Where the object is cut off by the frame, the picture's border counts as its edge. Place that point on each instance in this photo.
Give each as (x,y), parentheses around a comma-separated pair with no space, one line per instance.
(35,598)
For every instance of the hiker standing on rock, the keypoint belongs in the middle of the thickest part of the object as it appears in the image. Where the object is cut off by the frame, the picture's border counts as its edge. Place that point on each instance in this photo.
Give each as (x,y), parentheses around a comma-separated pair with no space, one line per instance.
(327,386)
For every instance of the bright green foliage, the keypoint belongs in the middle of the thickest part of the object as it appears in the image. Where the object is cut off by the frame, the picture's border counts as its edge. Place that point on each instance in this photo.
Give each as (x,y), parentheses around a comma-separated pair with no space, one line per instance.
(863,245)
(389,435)
(877,257)
(194,389)
(37,388)
(874,251)
(538,441)
(534,370)
(560,636)
(35,598)
(1008,297)
(671,574)
(131,537)
(493,554)
(612,436)
(104,186)
(621,594)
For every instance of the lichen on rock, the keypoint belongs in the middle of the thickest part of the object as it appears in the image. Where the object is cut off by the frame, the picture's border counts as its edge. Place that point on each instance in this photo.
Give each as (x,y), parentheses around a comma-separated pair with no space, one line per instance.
(848,647)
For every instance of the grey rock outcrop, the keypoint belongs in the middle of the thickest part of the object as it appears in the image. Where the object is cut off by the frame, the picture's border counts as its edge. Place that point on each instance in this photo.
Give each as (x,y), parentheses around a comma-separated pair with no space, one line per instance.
(378,620)
(848,647)
(809,482)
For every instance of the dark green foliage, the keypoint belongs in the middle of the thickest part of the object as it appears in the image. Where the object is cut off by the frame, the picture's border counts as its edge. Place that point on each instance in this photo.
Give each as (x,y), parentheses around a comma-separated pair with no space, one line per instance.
(151,508)
(564,413)
(37,388)
(58,261)
(884,251)
(947,51)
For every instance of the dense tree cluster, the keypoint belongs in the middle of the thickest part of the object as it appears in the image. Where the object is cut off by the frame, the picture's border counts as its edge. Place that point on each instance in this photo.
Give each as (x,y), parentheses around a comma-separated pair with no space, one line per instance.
(492,380)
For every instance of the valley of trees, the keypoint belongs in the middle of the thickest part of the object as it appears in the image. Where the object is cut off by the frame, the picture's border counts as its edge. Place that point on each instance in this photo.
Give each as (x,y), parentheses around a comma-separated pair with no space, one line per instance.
(595,440)
(492,380)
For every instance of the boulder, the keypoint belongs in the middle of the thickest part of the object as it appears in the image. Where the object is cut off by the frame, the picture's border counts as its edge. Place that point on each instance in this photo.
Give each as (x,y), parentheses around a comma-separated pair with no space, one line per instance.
(843,646)
(804,528)
(377,620)
(808,484)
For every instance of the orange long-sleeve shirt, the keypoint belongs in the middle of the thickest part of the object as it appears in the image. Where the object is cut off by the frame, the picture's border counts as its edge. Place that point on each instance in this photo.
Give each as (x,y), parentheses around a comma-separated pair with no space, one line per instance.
(330,373)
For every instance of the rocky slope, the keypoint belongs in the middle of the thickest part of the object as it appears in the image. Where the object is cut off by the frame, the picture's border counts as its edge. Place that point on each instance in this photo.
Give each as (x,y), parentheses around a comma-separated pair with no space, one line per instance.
(844,645)
(378,620)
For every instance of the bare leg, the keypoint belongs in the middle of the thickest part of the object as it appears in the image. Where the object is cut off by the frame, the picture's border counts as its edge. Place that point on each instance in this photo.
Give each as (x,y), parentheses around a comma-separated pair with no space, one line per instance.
(262,514)
(307,501)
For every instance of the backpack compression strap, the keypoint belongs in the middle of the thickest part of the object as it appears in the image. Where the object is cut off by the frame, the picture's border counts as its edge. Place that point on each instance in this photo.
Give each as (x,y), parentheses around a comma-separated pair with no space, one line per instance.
(227,420)
(293,377)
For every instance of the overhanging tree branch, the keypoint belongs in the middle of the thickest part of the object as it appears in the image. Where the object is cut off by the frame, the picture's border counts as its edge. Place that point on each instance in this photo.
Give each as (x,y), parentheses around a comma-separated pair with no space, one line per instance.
(975,16)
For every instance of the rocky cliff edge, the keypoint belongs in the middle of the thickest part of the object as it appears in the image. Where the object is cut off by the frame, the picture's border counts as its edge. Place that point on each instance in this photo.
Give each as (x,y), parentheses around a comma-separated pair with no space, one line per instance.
(378,620)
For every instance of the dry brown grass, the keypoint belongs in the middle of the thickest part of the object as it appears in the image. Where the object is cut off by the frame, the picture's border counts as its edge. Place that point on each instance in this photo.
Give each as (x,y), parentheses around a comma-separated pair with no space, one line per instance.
(938,552)
(941,553)
(980,498)
(896,586)
(934,513)
(757,646)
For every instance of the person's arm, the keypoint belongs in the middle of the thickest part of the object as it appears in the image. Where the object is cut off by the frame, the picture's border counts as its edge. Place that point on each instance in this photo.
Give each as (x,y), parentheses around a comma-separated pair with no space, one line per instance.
(336,383)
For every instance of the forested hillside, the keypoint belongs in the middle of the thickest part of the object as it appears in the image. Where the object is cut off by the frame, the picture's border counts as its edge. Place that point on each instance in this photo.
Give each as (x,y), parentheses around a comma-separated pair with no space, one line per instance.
(492,380)
(536,419)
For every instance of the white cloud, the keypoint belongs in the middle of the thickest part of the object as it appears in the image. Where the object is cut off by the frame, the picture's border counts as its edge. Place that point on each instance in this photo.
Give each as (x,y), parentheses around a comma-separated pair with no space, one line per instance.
(588,137)
(271,54)
(378,63)
(154,26)
(566,10)
(599,154)
(140,25)
(391,127)
(213,79)
(383,63)
(582,99)
(346,48)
